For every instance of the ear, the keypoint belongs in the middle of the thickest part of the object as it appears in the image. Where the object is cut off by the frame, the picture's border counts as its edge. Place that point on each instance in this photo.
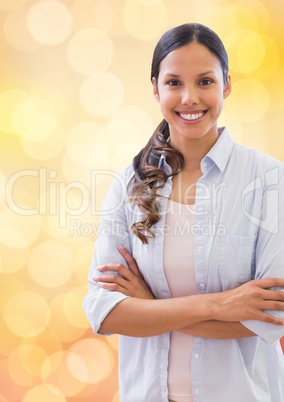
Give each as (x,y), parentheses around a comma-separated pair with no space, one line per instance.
(155,89)
(228,87)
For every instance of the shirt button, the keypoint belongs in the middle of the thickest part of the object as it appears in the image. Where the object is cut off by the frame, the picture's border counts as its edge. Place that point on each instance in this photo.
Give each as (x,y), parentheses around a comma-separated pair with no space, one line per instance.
(196,392)
(196,356)
(204,164)
(199,248)
(202,286)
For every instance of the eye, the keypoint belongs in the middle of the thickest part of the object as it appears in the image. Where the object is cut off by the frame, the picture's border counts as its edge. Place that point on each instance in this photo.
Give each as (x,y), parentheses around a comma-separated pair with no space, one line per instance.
(205,82)
(173,83)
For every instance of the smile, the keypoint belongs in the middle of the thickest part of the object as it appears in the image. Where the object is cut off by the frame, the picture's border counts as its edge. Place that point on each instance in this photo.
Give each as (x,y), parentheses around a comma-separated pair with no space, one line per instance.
(191,116)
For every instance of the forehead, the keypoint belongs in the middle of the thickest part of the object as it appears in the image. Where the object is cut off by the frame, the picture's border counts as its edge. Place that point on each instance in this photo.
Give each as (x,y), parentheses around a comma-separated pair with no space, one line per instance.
(193,58)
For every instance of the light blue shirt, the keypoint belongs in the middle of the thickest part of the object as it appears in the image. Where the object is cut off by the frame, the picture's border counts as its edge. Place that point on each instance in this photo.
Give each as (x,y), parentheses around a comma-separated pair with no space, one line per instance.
(239,236)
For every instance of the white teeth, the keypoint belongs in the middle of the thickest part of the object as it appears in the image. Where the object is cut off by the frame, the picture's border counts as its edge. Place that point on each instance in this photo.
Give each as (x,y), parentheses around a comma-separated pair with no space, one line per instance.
(192,116)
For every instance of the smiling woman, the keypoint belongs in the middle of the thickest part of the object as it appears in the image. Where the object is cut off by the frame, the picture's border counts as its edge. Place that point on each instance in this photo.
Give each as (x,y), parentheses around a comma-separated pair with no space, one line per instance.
(189,304)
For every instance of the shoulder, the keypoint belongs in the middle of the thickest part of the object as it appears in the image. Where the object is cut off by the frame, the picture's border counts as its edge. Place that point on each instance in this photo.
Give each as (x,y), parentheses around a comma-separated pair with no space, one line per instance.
(252,158)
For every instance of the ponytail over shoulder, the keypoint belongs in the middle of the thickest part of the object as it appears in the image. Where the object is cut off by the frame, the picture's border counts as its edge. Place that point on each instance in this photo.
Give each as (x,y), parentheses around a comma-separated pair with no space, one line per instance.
(149,178)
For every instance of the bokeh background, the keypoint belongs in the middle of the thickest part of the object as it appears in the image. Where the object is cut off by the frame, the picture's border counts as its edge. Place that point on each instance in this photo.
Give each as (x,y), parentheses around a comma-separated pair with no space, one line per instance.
(75,106)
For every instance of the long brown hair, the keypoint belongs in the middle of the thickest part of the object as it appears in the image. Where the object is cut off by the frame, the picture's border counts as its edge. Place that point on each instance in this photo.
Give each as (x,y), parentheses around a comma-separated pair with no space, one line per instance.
(148,177)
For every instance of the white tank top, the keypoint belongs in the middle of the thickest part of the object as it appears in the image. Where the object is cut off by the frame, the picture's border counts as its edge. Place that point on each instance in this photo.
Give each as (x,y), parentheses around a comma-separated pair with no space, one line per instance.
(179,271)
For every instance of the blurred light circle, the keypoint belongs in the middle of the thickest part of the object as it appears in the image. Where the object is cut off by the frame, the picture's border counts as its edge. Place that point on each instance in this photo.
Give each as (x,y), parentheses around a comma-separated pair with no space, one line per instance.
(275,85)
(9,99)
(249,100)
(232,121)
(9,5)
(49,22)
(246,50)
(253,15)
(34,119)
(44,393)
(11,261)
(90,360)
(85,144)
(244,15)
(72,307)
(50,264)
(16,31)
(59,325)
(101,94)
(130,125)
(12,238)
(145,22)
(26,313)
(211,17)
(24,364)
(89,51)
(113,341)
(116,397)
(148,2)
(46,340)
(48,148)
(271,59)
(104,15)
(56,373)
(28,226)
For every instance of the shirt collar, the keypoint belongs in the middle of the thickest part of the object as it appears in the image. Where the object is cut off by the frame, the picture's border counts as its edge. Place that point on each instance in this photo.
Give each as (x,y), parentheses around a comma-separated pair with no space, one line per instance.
(219,154)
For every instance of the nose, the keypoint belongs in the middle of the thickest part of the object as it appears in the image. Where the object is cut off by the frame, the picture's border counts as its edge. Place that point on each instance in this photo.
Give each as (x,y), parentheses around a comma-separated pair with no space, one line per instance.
(189,96)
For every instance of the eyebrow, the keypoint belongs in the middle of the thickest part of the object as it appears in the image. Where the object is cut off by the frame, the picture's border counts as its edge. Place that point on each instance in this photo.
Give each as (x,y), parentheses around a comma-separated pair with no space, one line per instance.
(199,75)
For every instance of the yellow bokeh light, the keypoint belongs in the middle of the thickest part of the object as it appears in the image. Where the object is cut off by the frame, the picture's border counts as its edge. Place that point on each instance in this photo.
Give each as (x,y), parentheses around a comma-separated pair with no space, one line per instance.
(16,31)
(210,16)
(9,99)
(49,22)
(56,373)
(90,360)
(249,100)
(11,261)
(47,148)
(17,217)
(113,341)
(26,313)
(141,21)
(25,363)
(131,125)
(60,326)
(251,15)
(234,124)
(34,119)
(44,393)
(90,51)
(9,5)
(246,50)
(275,85)
(44,266)
(73,307)
(86,145)
(101,94)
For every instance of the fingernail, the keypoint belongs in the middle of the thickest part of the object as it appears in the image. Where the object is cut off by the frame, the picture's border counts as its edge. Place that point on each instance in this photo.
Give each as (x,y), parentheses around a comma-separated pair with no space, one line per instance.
(120,246)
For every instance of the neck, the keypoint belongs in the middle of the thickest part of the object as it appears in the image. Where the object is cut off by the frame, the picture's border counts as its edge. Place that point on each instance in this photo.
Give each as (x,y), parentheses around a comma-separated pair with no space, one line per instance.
(194,149)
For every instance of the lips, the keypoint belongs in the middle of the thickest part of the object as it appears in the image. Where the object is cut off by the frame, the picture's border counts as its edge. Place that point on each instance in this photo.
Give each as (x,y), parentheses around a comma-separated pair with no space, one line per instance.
(192,116)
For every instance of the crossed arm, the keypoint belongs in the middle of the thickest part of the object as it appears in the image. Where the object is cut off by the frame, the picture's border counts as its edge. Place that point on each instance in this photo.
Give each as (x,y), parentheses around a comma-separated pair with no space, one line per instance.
(215,315)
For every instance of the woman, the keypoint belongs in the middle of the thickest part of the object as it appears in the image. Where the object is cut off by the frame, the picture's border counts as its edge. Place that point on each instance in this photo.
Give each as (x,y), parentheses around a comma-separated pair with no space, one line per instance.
(191,244)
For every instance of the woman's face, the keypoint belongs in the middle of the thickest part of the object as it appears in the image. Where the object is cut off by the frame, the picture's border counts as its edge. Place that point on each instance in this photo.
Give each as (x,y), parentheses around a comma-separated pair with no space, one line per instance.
(190,89)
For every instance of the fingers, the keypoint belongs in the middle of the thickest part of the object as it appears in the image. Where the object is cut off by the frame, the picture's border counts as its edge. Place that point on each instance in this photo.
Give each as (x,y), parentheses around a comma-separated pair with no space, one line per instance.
(266,283)
(130,260)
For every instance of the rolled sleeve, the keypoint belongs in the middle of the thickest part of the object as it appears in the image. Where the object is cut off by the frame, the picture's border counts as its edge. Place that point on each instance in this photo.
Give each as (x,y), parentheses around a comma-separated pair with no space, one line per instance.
(113,231)
(270,248)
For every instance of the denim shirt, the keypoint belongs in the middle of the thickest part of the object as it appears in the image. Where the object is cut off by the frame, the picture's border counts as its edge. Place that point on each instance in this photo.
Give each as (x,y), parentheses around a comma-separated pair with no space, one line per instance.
(239,236)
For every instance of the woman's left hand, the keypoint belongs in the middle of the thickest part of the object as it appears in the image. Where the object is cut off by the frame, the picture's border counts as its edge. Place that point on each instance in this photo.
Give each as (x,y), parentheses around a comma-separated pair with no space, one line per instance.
(129,281)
